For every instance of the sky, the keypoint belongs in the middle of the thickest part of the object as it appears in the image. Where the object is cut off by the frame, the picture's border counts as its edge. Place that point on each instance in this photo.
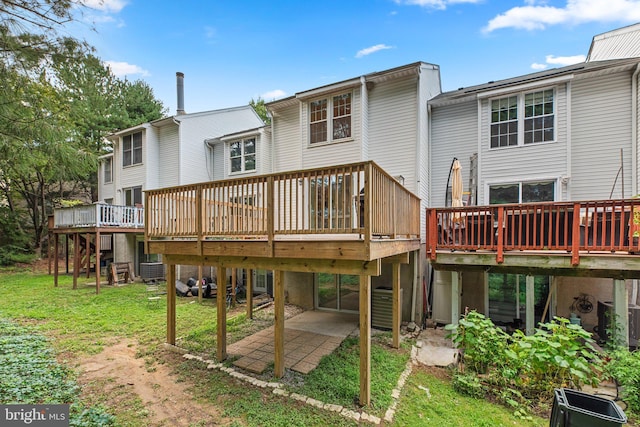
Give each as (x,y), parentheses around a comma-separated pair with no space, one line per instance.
(232,51)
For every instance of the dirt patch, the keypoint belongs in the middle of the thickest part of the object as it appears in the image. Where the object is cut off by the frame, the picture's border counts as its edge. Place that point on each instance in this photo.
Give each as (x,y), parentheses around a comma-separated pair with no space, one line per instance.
(117,375)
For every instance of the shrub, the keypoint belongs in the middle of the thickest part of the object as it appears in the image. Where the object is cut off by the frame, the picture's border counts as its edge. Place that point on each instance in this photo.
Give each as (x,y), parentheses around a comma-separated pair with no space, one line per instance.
(623,366)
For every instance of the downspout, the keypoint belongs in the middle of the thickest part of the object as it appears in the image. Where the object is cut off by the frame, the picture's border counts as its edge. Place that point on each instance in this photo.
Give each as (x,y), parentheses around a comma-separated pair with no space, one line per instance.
(634,129)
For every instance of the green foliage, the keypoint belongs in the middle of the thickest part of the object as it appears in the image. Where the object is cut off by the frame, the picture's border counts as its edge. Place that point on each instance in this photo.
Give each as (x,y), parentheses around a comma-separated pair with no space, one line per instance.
(29,374)
(261,109)
(521,369)
(468,384)
(623,366)
(480,339)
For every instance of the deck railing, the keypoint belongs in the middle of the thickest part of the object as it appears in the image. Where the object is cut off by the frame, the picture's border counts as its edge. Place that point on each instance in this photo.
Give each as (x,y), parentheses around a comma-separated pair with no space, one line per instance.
(604,225)
(99,215)
(358,199)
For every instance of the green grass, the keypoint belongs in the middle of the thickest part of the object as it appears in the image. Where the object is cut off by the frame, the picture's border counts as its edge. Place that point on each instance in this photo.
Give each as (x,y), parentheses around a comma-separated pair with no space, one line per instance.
(79,322)
(442,406)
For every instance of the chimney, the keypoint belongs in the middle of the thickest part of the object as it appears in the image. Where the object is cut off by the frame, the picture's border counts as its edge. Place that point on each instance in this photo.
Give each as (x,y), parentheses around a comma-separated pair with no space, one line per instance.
(180,87)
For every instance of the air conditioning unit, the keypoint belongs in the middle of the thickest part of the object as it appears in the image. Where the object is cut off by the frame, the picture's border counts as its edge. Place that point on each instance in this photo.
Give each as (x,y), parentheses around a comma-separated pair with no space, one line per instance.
(605,311)
(151,271)
(382,307)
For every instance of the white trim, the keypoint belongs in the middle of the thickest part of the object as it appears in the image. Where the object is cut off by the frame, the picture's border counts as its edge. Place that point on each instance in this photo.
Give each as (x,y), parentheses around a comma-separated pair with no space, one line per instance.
(526,180)
(569,157)
(520,113)
(525,87)
(479,166)
(326,91)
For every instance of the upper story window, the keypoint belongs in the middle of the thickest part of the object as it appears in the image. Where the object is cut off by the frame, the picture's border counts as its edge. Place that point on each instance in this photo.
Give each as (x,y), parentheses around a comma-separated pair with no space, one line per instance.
(523,119)
(132,149)
(242,155)
(108,170)
(330,119)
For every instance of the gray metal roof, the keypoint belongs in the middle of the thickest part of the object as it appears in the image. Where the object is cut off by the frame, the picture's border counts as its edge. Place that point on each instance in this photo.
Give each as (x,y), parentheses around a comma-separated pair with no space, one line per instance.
(471,92)
(617,44)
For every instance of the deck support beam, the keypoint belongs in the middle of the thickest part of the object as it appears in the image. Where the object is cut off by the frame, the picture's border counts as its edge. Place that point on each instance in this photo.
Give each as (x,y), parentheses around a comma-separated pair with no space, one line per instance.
(76,259)
(620,320)
(56,267)
(97,246)
(278,300)
(200,284)
(221,300)
(529,304)
(249,294)
(456,278)
(396,304)
(365,340)
(171,304)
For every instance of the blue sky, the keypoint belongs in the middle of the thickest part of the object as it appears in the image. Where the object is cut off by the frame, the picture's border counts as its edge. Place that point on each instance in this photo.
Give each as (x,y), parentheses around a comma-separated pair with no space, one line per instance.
(234,50)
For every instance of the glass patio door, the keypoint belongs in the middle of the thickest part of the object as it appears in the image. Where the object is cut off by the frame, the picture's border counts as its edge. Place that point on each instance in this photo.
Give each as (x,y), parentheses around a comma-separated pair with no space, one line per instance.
(338,292)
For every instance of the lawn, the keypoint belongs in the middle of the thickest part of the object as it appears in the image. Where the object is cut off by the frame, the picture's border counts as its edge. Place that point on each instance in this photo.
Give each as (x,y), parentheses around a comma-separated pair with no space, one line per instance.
(79,324)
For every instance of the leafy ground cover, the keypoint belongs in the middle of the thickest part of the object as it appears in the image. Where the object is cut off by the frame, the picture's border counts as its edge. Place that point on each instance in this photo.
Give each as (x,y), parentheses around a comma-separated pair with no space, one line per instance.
(80,324)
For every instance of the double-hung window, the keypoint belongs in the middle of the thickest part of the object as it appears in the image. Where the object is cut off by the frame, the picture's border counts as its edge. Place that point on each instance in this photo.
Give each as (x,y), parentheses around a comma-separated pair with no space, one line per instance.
(330,119)
(242,155)
(522,119)
(133,196)
(132,149)
(108,170)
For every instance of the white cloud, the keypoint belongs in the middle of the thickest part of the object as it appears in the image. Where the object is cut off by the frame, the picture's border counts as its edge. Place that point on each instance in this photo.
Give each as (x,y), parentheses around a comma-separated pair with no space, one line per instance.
(113,6)
(558,60)
(565,60)
(538,15)
(120,69)
(273,94)
(434,4)
(372,49)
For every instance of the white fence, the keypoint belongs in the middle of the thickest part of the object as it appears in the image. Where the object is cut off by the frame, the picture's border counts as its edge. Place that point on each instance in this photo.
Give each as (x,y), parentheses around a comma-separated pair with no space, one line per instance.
(99,215)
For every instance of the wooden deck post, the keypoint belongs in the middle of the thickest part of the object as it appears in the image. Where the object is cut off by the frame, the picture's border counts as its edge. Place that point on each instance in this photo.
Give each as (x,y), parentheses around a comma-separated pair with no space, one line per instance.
(87,251)
(278,345)
(455,297)
(66,253)
(397,305)
(171,304)
(234,284)
(221,301)
(249,294)
(620,320)
(97,262)
(76,259)
(55,260)
(529,304)
(365,340)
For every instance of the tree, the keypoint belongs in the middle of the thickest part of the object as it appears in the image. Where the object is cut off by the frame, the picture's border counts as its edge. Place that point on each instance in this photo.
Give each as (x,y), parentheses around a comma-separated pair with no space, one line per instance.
(261,109)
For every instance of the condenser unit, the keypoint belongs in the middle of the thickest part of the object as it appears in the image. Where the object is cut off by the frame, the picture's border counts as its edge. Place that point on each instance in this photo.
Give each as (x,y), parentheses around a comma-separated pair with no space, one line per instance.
(382,307)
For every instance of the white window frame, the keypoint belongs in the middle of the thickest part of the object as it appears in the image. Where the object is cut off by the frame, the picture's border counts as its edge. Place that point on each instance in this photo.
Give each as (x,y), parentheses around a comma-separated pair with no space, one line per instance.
(331,118)
(521,117)
(520,182)
(243,156)
(132,150)
(107,167)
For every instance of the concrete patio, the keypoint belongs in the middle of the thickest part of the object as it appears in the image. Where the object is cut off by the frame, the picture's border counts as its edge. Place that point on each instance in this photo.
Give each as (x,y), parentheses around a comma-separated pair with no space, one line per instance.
(307,338)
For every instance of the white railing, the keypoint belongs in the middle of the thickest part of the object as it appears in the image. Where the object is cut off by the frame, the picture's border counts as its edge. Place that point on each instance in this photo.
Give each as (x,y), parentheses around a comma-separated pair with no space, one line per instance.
(99,215)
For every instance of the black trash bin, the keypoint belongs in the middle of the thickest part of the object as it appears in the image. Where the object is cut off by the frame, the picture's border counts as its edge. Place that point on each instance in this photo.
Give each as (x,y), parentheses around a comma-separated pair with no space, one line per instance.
(572,408)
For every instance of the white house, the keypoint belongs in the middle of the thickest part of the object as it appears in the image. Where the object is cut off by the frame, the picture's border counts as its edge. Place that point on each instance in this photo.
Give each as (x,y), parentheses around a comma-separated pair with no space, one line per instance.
(563,134)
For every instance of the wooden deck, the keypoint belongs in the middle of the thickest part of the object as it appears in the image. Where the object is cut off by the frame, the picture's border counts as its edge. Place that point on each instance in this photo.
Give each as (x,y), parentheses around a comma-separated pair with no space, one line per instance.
(353,215)
(588,238)
(345,219)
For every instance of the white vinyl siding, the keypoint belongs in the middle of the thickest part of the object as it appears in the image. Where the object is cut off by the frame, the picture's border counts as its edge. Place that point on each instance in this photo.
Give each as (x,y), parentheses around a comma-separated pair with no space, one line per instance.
(454,133)
(393,128)
(601,126)
(169,156)
(288,149)
(530,162)
(342,151)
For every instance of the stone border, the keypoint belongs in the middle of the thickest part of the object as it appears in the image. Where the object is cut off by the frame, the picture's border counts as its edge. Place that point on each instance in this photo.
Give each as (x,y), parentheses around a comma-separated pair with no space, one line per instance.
(278,390)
